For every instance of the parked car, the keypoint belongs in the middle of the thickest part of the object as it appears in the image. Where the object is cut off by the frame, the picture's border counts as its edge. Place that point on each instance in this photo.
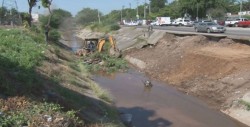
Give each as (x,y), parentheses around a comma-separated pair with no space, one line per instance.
(245,23)
(234,23)
(209,27)
(182,22)
(195,23)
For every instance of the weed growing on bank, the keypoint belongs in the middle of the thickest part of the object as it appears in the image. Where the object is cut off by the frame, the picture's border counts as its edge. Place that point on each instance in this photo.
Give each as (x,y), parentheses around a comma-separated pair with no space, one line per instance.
(20,51)
(107,63)
(247,104)
(28,113)
(104,27)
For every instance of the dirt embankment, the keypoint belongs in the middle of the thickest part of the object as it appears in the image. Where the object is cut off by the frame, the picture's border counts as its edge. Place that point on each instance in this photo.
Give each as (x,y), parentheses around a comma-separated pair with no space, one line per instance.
(215,71)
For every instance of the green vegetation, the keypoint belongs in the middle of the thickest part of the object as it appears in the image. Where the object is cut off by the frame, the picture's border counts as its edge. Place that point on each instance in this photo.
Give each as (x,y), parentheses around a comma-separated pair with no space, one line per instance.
(33,114)
(109,63)
(59,16)
(28,66)
(247,104)
(85,18)
(20,51)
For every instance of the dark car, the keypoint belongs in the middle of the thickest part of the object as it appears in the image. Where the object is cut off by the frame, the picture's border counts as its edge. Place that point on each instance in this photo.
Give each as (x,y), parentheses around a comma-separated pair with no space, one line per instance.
(209,27)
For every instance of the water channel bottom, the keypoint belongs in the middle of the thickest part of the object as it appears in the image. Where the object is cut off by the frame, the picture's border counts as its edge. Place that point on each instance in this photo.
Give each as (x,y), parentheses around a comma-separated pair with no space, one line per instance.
(160,105)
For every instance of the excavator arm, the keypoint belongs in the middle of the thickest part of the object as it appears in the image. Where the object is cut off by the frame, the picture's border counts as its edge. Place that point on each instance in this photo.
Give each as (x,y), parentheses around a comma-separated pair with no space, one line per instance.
(102,42)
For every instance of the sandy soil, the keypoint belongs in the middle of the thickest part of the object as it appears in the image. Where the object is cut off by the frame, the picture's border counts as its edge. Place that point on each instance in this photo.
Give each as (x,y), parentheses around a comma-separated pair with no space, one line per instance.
(215,71)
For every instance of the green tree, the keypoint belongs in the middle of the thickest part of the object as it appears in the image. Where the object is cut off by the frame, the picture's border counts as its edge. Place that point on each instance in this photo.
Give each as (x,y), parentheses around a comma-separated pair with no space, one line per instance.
(3,12)
(191,6)
(47,4)
(86,16)
(32,3)
(59,15)
(156,5)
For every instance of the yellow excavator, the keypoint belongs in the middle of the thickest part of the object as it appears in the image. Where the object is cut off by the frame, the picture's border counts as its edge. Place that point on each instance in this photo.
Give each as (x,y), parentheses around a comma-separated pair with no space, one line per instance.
(102,41)
(97,44)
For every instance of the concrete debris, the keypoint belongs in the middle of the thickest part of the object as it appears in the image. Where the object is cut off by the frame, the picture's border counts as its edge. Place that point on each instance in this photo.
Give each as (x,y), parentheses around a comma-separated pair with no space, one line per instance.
(155,37)
(48,118)
(136,62)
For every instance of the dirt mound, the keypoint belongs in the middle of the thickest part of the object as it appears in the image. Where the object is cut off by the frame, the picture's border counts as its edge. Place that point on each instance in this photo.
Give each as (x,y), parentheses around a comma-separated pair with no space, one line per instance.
(211,62)
(199,66)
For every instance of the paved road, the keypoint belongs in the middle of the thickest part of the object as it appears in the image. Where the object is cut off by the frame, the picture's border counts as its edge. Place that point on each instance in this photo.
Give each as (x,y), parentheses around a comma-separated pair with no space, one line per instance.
(231,31)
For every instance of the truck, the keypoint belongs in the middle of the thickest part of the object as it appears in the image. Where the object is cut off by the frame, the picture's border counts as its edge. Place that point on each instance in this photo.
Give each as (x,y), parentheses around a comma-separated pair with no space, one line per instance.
(182,22)
(244,23)
(161,21)
(230,22)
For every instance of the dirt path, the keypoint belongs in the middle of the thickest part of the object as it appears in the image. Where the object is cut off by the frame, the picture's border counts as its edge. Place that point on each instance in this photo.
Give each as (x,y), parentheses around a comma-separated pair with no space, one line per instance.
(216,72)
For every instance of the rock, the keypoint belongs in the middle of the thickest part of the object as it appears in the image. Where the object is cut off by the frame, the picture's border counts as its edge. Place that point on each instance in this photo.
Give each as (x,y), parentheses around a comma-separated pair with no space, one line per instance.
(126,119)
(48,118)
(140,64)
(115,53)
(58,119)
(246,97)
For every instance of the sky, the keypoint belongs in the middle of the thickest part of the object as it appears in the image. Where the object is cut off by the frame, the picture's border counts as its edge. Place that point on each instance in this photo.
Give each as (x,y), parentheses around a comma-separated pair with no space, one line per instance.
(74,6)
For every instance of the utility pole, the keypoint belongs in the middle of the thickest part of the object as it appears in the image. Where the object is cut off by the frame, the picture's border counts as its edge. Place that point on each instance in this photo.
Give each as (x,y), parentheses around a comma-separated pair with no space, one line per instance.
(145,9)
(121,12)
(197,12)
(137,9)
(10,5)
(99,17)
(149,8)
(240,8)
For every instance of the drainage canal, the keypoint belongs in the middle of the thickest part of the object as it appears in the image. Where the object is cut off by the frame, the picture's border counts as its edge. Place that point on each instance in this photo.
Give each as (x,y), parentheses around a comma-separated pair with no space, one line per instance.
(159,105)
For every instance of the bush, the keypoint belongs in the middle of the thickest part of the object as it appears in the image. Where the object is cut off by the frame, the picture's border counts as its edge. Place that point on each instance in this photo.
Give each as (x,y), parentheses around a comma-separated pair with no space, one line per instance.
(54,35)
(114,27)
(20,53)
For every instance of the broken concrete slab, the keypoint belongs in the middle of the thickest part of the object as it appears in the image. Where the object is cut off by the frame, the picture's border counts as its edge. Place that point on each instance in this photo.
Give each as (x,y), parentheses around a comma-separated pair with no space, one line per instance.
(156,36)
(138,63)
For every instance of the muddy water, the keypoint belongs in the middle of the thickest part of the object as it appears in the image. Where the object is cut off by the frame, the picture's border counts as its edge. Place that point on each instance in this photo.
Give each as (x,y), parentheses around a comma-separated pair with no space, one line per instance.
(161,105)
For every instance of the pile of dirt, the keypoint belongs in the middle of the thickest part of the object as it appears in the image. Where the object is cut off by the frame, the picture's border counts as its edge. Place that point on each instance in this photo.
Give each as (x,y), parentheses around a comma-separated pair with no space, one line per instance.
(199,66)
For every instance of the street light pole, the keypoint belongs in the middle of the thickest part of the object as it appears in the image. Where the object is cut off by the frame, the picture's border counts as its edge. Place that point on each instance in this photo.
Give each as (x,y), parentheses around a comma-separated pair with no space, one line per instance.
(121,12)
(197,12)
(240,8)
(145,9)
(99,17)
(137,9)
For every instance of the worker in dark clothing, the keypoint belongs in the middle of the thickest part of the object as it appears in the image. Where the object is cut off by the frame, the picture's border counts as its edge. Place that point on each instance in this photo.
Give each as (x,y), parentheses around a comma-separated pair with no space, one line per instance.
(150,27)
(46,32)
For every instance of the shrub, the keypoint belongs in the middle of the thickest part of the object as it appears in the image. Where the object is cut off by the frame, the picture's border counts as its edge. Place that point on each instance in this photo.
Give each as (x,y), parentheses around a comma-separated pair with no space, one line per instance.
(20,53)
(54,35)
(114,27)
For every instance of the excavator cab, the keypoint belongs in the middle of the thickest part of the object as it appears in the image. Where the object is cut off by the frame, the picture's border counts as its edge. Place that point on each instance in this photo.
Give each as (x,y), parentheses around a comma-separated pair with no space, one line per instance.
(90,44)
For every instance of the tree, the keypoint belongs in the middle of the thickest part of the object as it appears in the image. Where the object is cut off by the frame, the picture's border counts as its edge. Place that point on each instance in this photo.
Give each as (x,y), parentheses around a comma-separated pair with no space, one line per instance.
(191,6)
(86,16)
(47,4)
(32,3)
(59,15)
(156,5)
(3,11)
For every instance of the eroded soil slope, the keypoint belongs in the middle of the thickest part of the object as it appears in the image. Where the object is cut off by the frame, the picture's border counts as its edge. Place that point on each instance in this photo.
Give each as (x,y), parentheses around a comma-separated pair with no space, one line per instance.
(215,71)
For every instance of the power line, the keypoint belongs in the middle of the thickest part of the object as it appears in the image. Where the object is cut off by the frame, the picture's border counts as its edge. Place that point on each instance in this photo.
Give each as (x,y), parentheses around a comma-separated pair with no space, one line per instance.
(12,15)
